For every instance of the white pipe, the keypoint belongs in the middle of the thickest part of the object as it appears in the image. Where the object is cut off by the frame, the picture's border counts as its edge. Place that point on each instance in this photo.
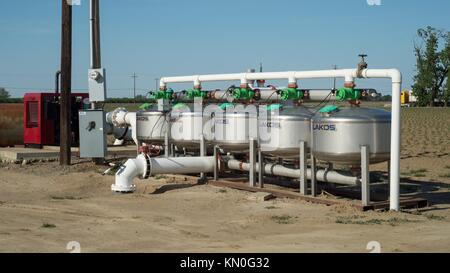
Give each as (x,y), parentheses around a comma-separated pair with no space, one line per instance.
(349,75)
(279,170)
(116,122)
(124,176)
(122,118)
(292,76)
(144,167)
(119,142)
(182,165)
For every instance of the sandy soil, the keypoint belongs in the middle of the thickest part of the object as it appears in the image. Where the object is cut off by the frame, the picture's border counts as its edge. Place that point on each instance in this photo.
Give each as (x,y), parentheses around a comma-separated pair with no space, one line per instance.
(43,207)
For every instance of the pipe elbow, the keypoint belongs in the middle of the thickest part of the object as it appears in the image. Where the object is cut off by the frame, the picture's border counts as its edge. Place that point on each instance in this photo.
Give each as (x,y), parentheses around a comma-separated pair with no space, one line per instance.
(396,75)
(128,171)
(162,84)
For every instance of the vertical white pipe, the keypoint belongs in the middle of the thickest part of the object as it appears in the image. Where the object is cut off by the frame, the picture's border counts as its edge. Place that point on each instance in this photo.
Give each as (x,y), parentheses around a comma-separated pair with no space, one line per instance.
(395,148)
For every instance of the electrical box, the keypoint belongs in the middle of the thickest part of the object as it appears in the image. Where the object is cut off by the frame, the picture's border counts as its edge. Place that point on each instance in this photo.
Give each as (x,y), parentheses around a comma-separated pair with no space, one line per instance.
(41,118)
(93,141)
(97,85)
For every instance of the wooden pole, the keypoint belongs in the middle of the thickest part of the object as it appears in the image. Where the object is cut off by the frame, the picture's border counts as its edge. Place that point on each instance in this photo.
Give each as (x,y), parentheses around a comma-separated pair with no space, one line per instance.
(66,78)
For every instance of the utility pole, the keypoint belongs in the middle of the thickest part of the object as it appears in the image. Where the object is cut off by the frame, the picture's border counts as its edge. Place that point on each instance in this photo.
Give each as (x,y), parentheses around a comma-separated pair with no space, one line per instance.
(134,76)
(66,82)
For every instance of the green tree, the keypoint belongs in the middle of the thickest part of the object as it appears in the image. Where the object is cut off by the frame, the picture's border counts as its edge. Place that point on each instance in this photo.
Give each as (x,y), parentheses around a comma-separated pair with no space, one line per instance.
(4,95)
(446,61)
(432,66)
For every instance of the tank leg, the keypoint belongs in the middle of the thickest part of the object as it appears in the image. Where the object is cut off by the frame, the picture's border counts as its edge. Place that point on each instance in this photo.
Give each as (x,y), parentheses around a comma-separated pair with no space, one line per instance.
(365,180)
(252,159)
(172,150)
(313,176)
(202,153)
(166,144)
(260,168)
(303,177)
(216,163)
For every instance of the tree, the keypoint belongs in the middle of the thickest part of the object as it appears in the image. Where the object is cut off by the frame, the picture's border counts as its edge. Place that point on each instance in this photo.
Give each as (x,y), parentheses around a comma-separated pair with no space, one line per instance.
(446,61)
(4,95)
(432,66)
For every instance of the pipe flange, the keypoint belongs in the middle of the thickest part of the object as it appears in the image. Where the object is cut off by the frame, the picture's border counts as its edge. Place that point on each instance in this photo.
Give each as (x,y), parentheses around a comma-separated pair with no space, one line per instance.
(114,117)
(124,134)
(123,189)
(148,167)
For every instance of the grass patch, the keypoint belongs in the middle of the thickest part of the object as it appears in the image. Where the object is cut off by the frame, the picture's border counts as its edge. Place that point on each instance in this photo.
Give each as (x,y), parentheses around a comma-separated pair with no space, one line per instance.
(222,191)
(159,177)
(271,207)
(416,173)
(66,198)
(283,219)
(48,225)
(447,167)
(446,175)
(434,217)
(358,221)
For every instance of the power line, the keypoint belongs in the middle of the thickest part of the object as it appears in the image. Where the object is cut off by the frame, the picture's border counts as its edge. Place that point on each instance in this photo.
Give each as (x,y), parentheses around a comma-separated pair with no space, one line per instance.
(134,76)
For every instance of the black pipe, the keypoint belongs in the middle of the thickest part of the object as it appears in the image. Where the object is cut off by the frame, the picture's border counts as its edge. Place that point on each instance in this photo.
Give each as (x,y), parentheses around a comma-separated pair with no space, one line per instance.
(58,74)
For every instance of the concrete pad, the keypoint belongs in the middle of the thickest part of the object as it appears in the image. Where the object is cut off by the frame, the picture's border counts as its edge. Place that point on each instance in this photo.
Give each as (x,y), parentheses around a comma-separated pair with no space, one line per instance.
(18,154)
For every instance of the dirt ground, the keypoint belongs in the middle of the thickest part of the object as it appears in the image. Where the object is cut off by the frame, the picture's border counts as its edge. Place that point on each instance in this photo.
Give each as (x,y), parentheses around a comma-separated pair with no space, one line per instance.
(44,207)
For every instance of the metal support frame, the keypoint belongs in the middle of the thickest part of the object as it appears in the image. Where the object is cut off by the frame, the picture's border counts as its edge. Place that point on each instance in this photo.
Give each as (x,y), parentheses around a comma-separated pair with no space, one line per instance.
(252,159)
(260,168)
(202,153)
(172,150)
(166,144)
(216,162)
(313,176)
(303,168)
(365,179)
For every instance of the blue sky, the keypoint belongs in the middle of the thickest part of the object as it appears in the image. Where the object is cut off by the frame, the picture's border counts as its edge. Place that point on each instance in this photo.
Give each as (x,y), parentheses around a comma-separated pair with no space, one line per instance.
(157,38)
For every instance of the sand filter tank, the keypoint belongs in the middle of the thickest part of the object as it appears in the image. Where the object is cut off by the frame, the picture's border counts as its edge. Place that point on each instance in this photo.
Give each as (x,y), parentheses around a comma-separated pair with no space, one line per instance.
(339,133)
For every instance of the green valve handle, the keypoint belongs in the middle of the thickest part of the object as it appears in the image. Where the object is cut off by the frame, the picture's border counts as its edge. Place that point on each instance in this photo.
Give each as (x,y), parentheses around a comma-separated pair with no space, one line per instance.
(167,94)
(274,107)
(226,105)
(145,106)
(195,93)
(292,94)
(343,94)
(329,109)
(243,94)
(179,106)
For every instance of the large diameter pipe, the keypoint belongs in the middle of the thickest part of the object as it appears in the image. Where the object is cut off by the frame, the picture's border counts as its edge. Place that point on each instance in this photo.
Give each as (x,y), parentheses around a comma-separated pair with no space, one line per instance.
(182,165)
(143,166)
(279,170)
